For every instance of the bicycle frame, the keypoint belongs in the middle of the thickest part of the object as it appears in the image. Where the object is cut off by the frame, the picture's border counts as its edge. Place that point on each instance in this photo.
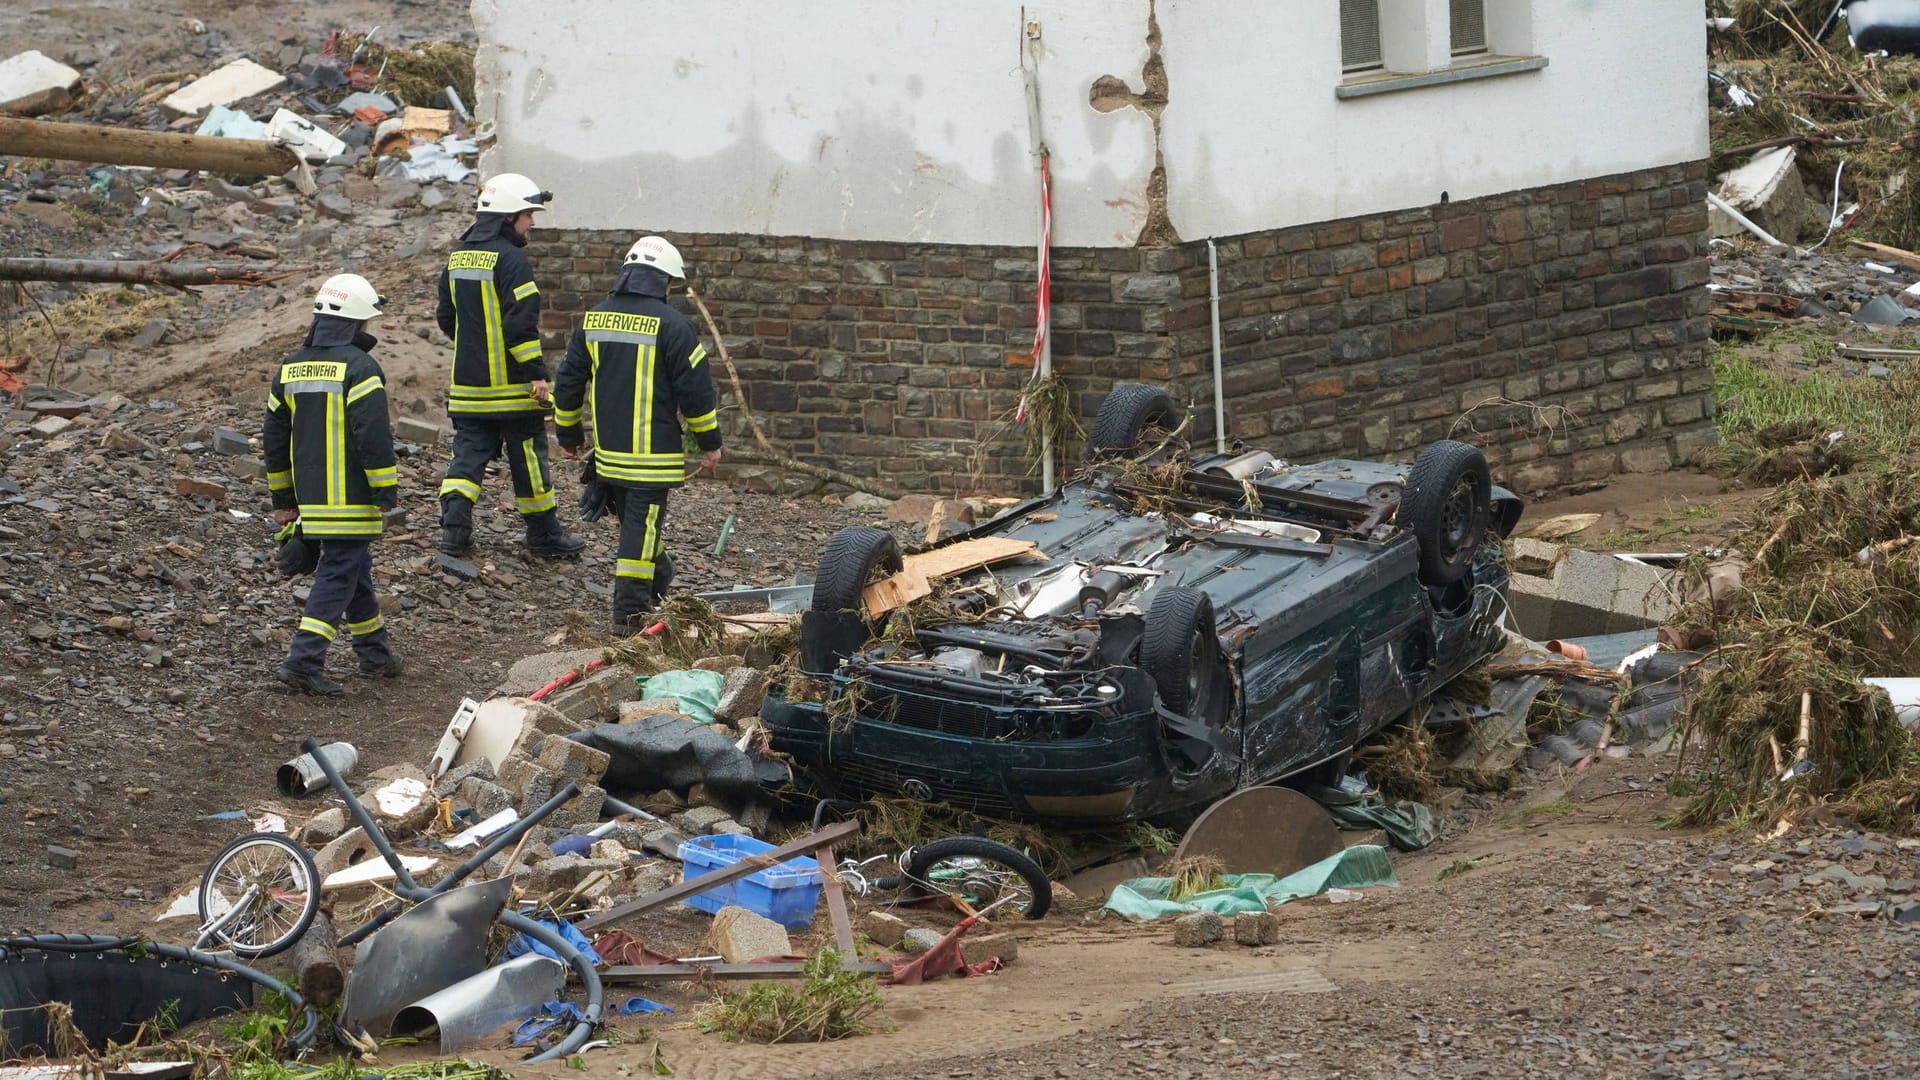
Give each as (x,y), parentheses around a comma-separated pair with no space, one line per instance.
(222,920)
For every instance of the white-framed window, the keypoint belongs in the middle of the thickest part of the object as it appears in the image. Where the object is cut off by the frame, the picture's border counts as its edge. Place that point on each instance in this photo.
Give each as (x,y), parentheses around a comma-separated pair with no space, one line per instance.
(1360,36)
(1468,27)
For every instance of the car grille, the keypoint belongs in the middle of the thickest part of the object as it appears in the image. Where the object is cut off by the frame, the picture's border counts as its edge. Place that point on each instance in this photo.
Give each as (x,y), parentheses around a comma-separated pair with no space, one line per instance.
(887,782)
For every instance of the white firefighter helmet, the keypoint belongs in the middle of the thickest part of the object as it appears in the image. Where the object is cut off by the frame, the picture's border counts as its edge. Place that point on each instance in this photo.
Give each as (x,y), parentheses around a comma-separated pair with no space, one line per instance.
(656,252)
(348,296)
(510,193)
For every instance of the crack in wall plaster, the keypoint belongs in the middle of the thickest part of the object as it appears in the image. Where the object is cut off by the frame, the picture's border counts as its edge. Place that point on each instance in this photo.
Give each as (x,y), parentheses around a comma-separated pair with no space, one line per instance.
(1110,93)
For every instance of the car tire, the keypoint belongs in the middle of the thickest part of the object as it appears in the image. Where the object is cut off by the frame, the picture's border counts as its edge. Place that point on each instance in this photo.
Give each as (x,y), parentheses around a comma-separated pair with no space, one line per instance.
(1447,506)
(848,564)
(1125,416)
(1181,651)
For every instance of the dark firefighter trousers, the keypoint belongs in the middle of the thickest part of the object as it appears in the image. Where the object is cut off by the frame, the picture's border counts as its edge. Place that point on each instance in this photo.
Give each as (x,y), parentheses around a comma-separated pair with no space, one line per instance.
(478,440)
(342,588)
(643,517)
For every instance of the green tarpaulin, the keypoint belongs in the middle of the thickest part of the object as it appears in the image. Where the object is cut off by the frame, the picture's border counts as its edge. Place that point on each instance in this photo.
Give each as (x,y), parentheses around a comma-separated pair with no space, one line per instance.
(696,691)
(1409,824)
(1354,868)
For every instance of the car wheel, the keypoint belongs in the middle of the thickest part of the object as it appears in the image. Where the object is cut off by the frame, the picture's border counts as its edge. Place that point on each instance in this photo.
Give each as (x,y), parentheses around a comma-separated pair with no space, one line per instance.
(1446,507)
(1181,650)
(848,566)
(1128,412)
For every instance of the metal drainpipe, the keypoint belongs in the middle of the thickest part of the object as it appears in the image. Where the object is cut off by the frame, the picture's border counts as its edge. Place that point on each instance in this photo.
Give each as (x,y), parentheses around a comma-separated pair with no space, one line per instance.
(1219,382)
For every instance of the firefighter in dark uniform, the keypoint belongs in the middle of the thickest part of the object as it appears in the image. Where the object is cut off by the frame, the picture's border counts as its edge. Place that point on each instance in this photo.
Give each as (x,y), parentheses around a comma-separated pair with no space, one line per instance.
(638,363)
(329,452)
(490,307)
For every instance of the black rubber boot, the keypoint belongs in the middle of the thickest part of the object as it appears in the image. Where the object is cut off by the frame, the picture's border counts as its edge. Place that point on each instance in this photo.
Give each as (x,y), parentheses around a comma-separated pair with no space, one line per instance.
(311,685)
(393,668)
(632,598)
(546,538)
(456,525)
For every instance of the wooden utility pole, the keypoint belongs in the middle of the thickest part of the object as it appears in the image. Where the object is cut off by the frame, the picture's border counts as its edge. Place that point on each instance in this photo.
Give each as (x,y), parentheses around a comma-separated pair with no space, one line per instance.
(137,272)
(158,149)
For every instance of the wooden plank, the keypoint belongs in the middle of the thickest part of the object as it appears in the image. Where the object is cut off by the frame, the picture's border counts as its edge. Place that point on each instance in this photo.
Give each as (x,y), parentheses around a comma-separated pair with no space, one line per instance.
(1856,352)
(806,845)
(1888,253)
(726,972)
(837,906)
(916,578)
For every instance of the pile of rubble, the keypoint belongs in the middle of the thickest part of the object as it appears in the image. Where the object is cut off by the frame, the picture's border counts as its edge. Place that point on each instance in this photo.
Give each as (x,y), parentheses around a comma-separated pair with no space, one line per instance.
(502,760)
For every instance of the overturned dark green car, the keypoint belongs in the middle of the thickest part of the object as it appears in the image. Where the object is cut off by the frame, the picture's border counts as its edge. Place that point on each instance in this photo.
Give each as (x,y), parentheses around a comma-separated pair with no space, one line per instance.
(1196,626)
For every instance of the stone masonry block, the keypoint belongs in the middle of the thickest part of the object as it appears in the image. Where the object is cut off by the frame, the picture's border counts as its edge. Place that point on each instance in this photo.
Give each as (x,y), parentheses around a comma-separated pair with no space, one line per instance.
(740,936)
(1198,930)
(883,929)
(598,697)
(529,783)
(571,761)
(1256,928)
(979,948)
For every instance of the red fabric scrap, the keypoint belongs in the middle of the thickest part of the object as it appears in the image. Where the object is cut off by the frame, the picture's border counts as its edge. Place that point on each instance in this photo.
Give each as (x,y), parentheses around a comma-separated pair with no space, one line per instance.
(621,948)
(941,960)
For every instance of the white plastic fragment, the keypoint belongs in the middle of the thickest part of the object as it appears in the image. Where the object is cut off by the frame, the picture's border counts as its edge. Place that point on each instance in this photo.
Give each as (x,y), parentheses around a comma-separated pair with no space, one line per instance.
(304,137)
(373,870)
(472,837)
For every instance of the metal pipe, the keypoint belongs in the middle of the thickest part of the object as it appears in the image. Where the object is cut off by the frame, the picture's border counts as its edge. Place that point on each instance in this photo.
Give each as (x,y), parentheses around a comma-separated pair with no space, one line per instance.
(1726,208)
(303,775)
(621,806)
(403,881)
(1245,467)
(1219,379)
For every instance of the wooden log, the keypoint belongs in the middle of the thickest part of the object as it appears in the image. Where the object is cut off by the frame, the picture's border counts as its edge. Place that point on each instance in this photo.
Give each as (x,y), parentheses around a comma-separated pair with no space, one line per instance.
(159,149)
(138,272)
(316,963)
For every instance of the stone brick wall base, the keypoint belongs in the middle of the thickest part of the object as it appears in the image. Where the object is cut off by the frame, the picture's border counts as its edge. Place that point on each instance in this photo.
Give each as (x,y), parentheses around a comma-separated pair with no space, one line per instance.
(1562,329)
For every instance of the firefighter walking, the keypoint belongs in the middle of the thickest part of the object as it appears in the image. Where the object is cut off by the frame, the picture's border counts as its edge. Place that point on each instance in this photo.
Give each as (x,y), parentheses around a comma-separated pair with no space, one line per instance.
(490,307)
(330,465)
(640,366)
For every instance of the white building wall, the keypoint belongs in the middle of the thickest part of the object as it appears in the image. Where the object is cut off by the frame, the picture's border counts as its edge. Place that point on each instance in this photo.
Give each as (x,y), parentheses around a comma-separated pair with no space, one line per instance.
(873,119)
(906,120)
(1255,138)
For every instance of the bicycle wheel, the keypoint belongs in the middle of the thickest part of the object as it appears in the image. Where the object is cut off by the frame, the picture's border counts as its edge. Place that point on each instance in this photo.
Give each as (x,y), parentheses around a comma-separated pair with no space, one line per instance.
(285,900)
(980,872)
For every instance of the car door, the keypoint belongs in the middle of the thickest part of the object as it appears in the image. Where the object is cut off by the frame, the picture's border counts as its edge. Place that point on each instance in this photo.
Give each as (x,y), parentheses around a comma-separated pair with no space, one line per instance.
(1297,699)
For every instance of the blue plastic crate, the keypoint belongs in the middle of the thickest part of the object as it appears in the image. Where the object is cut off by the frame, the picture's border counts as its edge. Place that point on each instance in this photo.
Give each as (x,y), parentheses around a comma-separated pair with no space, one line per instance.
(786,893)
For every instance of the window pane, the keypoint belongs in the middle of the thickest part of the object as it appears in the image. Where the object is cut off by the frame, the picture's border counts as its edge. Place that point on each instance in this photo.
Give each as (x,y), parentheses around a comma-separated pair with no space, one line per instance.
(1469,26)
(1359,34)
